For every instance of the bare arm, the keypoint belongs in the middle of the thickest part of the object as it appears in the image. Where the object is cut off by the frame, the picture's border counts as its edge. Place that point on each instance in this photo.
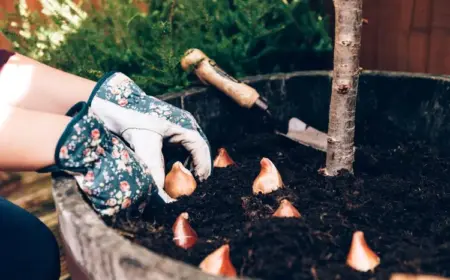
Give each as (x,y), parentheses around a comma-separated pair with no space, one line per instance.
(29,84)
(28,138)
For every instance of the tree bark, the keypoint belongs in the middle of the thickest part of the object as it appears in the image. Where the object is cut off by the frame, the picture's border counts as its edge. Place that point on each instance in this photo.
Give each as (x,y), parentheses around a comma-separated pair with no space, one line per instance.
(341,126)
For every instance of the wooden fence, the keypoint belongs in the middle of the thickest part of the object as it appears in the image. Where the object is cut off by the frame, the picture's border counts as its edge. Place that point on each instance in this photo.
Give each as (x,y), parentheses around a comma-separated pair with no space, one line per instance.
(402,35)
(407,35)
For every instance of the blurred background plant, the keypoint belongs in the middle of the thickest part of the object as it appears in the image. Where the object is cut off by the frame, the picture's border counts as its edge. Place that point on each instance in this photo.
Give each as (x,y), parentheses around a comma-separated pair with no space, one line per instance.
(146,39)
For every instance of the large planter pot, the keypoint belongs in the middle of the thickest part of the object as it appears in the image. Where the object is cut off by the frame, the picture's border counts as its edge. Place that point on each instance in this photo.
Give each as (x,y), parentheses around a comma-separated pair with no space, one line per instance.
(415,105)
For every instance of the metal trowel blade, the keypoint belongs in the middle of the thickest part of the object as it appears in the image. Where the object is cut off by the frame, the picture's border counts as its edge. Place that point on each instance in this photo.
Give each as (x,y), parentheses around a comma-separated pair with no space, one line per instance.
(304,134)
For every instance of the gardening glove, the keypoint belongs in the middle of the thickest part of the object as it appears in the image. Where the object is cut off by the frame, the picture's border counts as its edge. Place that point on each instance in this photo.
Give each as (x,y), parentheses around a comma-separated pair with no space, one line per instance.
(145,121)
(106,170)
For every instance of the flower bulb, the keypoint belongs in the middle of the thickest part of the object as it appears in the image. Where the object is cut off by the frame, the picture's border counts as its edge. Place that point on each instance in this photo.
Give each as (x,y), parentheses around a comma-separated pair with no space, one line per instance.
(219,263)
(360,256)
(268,179)
(286,210)
(183,234)
(179,181)
(223,159)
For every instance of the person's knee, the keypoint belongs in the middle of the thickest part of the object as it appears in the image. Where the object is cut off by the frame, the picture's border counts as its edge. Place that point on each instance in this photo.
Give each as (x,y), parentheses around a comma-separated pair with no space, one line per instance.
(47,251)
(29,248)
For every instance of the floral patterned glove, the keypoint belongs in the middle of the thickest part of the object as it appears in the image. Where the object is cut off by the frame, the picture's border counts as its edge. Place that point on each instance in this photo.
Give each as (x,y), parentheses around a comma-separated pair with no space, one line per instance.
(107,171)
(144,121)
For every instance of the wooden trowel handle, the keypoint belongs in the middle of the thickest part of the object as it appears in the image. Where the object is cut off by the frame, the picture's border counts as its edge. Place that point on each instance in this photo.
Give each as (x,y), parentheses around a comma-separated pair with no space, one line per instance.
(211,74)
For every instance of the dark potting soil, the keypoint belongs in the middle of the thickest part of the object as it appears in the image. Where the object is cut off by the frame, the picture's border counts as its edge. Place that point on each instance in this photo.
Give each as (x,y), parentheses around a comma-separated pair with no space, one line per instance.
(399,197)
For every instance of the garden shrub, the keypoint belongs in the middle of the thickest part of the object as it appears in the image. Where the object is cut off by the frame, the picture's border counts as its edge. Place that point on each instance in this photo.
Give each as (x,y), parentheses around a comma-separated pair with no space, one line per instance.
(245,37)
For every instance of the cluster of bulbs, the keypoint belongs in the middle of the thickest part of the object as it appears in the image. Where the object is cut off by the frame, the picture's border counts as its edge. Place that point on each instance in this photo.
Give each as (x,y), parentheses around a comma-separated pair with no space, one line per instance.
(180,182)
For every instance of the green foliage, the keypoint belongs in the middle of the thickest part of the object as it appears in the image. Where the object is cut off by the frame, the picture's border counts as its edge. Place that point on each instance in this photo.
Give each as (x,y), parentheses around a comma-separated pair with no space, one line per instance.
(245,37)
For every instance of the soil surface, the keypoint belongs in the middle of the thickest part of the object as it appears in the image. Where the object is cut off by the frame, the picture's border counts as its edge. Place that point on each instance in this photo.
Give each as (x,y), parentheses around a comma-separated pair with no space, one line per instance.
(399,197)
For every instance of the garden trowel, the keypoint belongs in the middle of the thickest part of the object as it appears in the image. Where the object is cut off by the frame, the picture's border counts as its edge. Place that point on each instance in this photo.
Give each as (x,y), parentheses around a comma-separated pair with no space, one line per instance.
(211,74)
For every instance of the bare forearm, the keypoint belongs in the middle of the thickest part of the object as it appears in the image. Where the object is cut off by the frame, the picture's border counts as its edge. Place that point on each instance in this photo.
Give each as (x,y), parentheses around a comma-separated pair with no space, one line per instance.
(29,84)
(28,138)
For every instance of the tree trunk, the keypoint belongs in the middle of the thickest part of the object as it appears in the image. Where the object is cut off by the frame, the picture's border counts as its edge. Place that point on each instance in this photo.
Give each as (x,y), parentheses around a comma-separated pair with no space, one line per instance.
(341,126)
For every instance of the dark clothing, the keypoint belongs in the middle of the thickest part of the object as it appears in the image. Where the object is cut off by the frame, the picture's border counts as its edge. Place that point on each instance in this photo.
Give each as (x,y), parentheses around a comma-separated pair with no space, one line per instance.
(28,248)
(4,57)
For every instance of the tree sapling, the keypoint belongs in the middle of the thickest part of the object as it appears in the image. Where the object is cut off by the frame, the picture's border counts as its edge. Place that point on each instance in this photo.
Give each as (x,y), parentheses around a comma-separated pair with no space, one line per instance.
(341,126)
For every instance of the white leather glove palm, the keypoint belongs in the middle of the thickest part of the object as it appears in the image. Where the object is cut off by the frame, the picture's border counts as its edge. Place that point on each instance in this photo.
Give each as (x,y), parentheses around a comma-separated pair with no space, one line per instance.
(144,121)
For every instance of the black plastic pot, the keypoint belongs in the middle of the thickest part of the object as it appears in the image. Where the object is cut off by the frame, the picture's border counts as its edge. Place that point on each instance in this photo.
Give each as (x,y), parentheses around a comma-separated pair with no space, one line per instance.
(416,105)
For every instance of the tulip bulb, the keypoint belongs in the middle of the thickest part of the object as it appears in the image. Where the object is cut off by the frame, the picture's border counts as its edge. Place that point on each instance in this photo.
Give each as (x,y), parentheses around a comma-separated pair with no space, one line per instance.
(361,257)
(223,159)
(286,210)
(179,181)
(219,263)
(183,234)
(268,179)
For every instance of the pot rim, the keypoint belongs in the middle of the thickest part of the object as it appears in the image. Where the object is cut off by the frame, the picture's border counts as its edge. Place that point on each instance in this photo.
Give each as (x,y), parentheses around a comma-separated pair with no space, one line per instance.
(308,73)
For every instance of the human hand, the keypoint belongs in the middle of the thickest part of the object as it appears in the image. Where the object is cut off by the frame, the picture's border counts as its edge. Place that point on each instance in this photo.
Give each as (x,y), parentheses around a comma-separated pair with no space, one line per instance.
(107,171)
(144,121)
